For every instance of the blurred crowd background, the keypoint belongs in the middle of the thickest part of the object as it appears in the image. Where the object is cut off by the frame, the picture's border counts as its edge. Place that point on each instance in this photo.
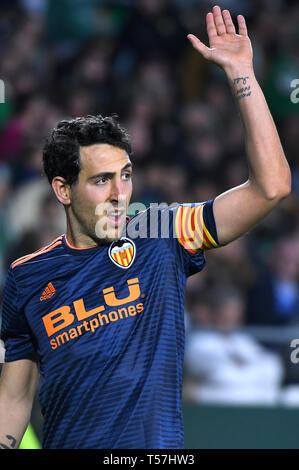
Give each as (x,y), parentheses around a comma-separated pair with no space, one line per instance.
(68,58)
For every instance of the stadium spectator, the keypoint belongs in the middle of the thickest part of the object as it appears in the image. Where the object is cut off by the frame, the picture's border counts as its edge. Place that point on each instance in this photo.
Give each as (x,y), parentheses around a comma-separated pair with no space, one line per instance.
(224,365)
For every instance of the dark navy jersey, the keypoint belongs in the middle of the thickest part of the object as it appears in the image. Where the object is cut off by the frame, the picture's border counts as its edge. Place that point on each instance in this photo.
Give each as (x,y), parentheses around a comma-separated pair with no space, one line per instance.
(107,324)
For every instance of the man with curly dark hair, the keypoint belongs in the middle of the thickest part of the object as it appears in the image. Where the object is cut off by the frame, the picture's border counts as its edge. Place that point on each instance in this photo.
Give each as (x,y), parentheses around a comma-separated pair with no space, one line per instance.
(99,312)
(79,147)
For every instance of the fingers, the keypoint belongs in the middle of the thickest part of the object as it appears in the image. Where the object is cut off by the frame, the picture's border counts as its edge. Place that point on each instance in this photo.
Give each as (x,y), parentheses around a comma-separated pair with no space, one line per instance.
(211,27)
(220,22)
(242,25)
(218,19)
(230,28)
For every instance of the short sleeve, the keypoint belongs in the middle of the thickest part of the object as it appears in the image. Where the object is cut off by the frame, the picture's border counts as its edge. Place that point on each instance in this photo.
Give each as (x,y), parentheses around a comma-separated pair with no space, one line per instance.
(15,331)
(187,229)
(195,232)
(195,226)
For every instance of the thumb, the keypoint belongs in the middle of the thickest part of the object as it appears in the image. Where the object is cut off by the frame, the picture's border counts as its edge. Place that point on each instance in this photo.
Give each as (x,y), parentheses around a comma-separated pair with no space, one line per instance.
(199,46)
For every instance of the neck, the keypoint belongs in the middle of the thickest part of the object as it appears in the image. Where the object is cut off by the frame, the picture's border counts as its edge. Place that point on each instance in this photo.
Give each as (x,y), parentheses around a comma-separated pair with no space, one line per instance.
(75,235)
(78,239)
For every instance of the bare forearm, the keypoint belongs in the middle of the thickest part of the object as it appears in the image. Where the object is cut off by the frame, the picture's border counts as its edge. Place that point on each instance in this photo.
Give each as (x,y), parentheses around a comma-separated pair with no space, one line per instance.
(268,167)
(240,208)
(18,383)
(14,419)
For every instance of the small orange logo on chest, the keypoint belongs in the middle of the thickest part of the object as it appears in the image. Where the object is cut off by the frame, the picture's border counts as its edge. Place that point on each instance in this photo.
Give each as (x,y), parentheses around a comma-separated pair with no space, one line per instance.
(48,292)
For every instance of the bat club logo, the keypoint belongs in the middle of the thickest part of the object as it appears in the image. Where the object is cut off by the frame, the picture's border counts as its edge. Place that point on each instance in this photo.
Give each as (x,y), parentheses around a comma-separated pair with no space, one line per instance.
(122,252)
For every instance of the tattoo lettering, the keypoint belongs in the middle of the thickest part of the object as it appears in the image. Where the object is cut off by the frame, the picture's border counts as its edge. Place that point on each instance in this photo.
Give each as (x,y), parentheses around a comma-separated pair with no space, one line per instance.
(3,446)
(237,79)
(12,445)
(243,91)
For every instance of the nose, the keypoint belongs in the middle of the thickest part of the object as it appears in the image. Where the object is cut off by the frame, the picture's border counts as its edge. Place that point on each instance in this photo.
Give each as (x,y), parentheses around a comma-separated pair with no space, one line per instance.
(117,193)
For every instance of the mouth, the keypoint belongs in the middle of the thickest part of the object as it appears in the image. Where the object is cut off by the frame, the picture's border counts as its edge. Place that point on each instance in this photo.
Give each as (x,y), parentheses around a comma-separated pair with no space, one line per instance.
(116,216)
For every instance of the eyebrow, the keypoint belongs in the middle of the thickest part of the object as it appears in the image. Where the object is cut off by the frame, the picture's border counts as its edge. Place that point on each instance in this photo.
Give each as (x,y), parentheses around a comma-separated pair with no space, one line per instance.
(110,174)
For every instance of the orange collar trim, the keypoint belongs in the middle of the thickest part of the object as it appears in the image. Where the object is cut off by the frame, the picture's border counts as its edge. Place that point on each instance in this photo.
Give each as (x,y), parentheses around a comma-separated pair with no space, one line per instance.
(76,247)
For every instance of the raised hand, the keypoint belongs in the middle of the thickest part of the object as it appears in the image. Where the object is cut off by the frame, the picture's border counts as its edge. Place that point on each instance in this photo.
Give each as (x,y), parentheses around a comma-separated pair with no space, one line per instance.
(227,48)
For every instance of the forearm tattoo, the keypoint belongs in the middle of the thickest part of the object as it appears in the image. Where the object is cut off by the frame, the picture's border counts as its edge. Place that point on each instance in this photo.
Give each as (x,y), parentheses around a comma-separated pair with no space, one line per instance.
(11,445)
(245,87)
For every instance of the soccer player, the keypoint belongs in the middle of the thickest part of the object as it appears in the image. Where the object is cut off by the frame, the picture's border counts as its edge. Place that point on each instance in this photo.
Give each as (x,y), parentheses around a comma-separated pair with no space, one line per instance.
(99,312)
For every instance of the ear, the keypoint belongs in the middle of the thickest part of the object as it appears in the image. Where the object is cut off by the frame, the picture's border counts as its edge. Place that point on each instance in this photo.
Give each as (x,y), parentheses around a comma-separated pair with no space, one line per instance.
(61,190)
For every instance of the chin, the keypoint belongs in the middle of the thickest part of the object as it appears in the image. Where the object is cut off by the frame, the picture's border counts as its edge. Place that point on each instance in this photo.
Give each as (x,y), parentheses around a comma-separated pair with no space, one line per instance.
(107,233)
(109,236)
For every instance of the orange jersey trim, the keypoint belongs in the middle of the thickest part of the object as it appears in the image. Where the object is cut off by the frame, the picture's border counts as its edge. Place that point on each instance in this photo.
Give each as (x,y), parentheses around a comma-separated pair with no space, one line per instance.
(43,250)
(78,248)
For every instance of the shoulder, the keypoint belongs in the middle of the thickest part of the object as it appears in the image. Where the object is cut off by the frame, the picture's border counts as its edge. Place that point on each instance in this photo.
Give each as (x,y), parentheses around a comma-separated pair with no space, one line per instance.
(50,248)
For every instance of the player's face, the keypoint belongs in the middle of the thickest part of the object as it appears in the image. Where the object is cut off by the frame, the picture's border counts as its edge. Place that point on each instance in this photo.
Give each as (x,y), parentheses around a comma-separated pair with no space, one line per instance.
(100,198)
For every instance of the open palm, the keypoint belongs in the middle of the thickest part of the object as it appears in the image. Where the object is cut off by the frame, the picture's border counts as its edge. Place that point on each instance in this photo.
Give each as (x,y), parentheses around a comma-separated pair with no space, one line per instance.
(226,46)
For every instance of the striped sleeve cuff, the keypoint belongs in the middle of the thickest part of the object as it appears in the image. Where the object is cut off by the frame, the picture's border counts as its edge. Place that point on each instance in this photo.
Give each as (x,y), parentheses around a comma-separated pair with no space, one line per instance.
(194,229)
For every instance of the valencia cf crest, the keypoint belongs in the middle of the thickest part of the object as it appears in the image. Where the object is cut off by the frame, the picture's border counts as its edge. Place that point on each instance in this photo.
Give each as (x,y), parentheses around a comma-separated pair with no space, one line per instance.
(122,252)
